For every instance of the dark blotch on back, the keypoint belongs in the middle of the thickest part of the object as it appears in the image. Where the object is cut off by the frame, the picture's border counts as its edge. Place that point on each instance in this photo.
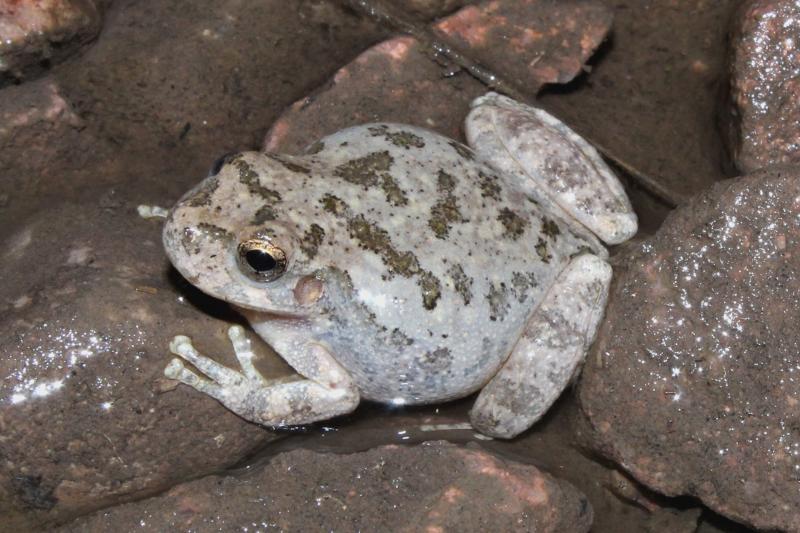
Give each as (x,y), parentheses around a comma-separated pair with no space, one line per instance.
(521,284)
(498,301)
(312,239)
(437,360)
(264,214)
(461,282)
(192,240)
(215,233)
(513,223)
(365,170)
(431,289)
(334,205)
(445,211)
(370,171)
(490,188)
(403,139)
(202,195)
(398,338)
(541,250)
(249,177)
(376,239)
(550,228)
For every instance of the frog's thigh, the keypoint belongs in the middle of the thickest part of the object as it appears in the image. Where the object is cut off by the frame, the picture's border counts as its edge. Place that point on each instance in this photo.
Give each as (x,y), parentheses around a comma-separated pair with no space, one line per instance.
(547,354)
(326,392)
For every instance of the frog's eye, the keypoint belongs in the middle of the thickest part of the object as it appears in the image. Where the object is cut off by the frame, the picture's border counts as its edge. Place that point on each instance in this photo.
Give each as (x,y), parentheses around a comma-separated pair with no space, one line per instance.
(260,260)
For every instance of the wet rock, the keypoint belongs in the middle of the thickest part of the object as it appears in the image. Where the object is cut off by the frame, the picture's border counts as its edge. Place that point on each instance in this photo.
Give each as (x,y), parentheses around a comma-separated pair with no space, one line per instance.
(118,114)
(431,487)
(692,383)
(765,84)
(33,32)
(39,130)
(530,43)
(87,307)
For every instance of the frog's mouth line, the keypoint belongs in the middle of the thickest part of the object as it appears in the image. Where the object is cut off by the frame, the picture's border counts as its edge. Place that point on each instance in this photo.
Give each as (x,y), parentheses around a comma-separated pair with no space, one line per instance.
(268,316)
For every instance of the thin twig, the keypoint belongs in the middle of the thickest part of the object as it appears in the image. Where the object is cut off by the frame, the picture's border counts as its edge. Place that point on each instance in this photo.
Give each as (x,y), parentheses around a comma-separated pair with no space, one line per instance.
(391,17)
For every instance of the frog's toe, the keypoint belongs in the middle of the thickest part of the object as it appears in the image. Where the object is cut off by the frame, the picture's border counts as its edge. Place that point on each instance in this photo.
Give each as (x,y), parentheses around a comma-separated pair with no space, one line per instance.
(182,347)
(177,342)
(244,353)
(175,369)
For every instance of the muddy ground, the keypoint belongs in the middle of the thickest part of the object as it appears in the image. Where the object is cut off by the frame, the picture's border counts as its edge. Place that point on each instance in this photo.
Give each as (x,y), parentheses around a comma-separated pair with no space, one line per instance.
(169,86)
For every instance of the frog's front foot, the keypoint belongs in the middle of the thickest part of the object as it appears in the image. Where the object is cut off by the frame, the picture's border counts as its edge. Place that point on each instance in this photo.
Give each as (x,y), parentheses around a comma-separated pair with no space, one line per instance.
(250,395)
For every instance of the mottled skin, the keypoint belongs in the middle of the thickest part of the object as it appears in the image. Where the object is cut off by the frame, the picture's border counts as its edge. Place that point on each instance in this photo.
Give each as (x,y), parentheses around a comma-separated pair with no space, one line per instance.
(415,272)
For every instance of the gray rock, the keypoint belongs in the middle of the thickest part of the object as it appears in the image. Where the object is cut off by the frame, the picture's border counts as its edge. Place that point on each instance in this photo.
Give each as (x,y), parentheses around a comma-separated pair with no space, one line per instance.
(431,487)
(692,385)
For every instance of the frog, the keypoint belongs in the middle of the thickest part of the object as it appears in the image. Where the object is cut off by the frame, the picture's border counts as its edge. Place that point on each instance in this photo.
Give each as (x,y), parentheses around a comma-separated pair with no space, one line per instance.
(389,263)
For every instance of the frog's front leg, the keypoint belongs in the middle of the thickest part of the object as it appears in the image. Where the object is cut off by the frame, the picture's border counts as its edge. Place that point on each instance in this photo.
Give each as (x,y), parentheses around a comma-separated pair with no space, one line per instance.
(328,390)
(546,356)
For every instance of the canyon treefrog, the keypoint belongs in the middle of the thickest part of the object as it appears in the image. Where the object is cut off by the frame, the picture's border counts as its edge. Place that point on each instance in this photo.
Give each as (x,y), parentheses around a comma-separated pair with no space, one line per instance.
(393,264)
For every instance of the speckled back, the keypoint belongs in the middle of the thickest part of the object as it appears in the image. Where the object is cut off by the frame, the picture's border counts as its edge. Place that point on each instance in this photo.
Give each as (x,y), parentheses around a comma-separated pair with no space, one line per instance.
(431,261)
(446,258)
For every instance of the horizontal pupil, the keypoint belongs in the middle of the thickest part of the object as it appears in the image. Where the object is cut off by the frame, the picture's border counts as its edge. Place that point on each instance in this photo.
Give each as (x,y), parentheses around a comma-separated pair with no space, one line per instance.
(260,261)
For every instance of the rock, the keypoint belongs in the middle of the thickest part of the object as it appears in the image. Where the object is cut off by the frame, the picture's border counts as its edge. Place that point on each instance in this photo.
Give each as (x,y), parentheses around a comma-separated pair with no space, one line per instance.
(431,487)
(37,31)
(692,383)
(765,84)
(88,306)
(117,116)
(530,43)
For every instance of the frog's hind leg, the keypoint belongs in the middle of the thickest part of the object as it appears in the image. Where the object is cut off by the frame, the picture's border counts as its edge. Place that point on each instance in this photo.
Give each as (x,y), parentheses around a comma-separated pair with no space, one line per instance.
(551,348)
(553,165)
(328,390)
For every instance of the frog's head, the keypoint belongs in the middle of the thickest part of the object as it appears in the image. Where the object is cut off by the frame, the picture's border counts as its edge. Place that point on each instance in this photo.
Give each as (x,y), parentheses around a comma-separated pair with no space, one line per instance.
(231,238)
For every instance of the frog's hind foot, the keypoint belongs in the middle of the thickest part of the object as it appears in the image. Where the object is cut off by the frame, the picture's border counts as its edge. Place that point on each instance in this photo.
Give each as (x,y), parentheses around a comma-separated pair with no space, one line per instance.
(549,352)
(271,402)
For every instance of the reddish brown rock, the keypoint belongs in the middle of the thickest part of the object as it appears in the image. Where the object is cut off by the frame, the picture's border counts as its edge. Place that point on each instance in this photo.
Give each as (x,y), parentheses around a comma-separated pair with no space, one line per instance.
(87,307)
(765,84)
(692,384)
(431,487)
(530,43)
(32,31)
